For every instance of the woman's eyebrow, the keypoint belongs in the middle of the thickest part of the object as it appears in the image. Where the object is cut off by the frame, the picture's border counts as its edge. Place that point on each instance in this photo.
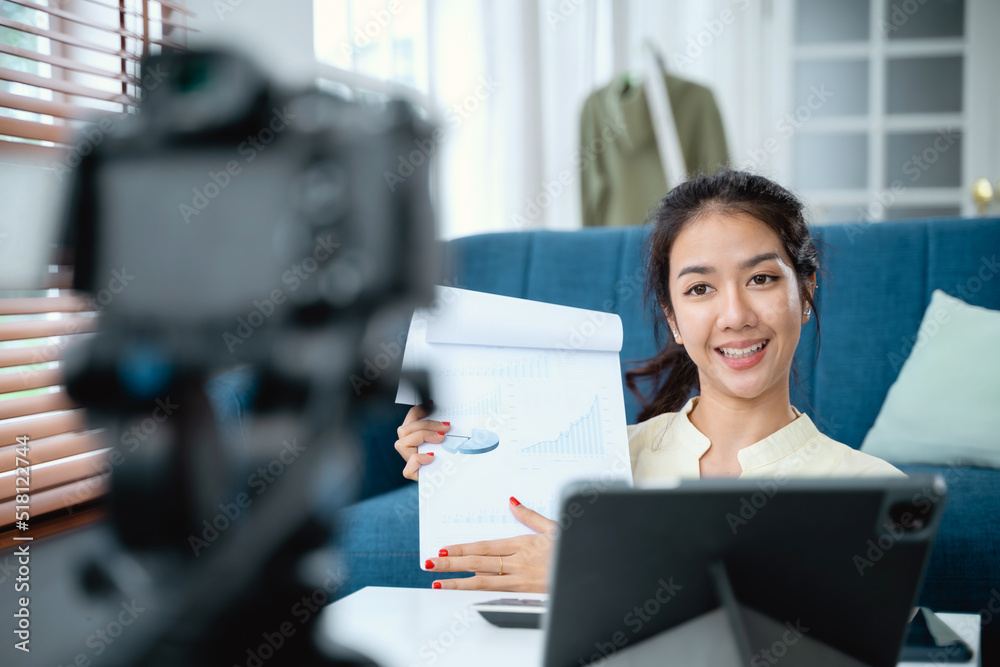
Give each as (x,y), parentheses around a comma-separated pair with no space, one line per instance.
(750,263)
(699,268)
(757,259)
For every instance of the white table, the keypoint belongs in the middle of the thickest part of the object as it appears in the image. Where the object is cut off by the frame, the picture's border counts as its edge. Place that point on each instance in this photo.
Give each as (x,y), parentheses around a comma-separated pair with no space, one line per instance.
(407,627)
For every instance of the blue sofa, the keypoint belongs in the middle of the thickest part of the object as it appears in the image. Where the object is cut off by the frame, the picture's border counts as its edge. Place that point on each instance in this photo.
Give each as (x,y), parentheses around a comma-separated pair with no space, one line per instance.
(874,287)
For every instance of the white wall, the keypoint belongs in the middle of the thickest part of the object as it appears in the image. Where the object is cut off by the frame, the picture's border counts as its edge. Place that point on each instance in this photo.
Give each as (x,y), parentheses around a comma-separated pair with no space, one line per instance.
(278,35)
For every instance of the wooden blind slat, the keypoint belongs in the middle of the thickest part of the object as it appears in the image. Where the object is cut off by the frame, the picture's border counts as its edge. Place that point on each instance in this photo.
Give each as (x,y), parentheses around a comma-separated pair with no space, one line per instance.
(45,107)
(44,328)
(64,38)
(30,379)
(74,18)
(44,304)
(33,405)
(174,24)
(168,44)
(60,472)
(182,10)
(30,150)
(64,63)
(68,39)
(68,87)
(59,498)
(55,447)
(24,129)
(42,426)
(55,523)
(23,356)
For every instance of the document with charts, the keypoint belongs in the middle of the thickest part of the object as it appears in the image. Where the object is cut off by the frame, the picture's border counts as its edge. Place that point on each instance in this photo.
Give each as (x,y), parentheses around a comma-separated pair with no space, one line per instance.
(533,392)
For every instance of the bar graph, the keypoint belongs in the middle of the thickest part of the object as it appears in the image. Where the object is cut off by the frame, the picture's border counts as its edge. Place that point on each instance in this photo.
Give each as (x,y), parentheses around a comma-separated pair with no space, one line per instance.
(583,437)
(485,405)
(536,367)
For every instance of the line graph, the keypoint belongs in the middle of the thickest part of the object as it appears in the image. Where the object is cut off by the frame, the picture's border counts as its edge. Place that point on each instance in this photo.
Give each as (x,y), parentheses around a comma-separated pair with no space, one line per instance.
(584,436)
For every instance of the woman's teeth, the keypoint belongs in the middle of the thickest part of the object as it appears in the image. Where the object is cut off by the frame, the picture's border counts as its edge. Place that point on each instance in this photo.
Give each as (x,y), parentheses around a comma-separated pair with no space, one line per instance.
(734,353)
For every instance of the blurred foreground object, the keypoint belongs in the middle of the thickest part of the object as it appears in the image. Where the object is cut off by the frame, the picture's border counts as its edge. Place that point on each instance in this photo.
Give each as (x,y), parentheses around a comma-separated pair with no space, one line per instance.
(257,229)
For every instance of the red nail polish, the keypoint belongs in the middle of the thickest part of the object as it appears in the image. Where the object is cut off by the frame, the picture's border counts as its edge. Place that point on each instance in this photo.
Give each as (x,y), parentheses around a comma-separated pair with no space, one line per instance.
(440,432)
(443,553)
(514,501)
(430,453)
(436,584)
(446,423)
(429,564)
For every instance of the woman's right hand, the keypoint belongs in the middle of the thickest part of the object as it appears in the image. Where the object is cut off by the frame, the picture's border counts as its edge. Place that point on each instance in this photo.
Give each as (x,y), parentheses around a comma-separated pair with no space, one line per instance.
(414,432)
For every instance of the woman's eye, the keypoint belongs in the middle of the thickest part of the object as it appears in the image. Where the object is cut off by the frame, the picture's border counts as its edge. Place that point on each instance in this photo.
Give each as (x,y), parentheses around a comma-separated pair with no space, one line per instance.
(762,279)
(698,290)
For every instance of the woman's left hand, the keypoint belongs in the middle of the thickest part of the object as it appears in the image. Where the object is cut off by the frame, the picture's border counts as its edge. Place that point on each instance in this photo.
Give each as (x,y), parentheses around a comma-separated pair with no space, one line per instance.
(525,559)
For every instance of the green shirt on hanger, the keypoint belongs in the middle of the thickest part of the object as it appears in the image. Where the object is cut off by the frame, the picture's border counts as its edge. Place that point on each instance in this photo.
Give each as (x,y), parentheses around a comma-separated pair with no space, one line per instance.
(621,174)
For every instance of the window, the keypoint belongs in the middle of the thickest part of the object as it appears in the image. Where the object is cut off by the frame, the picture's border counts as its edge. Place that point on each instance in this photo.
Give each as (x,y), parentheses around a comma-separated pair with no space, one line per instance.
(61,63)
(382,39)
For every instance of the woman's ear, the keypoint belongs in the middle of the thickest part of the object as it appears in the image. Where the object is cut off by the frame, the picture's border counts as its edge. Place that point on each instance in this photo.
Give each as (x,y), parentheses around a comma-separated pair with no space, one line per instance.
(807,308)
(674,331)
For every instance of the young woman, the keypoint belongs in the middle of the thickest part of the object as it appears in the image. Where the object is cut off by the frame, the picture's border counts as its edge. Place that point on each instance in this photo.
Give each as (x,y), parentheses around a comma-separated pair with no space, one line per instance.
(732,267)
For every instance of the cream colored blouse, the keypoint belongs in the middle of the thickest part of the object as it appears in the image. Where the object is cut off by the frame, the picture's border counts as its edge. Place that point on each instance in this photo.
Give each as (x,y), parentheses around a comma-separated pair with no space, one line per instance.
(669,446)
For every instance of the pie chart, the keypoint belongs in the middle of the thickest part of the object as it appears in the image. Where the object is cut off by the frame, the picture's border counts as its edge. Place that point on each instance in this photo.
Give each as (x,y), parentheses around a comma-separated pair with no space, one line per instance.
(480,442)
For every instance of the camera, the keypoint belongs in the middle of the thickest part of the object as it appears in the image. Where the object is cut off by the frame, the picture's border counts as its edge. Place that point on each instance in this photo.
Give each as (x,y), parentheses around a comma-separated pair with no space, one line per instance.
(261,242)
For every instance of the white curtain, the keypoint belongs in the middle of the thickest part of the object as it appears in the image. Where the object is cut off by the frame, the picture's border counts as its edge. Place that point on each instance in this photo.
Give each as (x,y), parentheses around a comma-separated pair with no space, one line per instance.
(510,78)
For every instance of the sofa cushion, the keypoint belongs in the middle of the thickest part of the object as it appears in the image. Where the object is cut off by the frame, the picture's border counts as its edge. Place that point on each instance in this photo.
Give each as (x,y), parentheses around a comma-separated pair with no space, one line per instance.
(878,281)
(943,408)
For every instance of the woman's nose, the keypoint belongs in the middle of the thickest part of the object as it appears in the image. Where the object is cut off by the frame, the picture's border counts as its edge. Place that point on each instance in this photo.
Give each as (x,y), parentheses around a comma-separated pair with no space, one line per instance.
(737,311)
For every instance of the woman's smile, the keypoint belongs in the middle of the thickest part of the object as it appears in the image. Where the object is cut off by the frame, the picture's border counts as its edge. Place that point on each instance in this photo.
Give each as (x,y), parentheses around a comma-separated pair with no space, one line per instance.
(740,355)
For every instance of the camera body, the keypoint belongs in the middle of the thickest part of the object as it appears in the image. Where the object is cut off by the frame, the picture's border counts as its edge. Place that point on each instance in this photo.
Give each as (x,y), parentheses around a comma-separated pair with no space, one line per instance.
(240,208)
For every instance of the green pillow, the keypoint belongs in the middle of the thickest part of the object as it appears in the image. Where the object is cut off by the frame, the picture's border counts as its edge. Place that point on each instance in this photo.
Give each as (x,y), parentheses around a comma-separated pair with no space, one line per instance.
(944,408)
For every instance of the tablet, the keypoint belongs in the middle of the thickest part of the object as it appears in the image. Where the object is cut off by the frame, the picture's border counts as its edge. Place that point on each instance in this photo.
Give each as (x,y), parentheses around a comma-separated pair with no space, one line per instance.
(808,571)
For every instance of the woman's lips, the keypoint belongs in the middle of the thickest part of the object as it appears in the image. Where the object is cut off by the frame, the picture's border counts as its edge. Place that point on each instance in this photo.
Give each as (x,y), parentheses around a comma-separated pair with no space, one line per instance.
(743,363)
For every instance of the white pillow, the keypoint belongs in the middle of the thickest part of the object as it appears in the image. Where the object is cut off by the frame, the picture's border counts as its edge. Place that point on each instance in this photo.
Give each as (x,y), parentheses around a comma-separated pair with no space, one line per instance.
(944,408)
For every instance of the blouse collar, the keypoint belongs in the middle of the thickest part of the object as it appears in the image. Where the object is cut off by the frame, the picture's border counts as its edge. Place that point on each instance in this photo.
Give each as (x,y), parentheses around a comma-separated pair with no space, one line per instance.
(779,444)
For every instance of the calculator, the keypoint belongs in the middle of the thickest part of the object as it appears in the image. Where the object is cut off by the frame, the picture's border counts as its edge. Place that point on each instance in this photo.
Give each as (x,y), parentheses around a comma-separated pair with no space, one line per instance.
(513,612)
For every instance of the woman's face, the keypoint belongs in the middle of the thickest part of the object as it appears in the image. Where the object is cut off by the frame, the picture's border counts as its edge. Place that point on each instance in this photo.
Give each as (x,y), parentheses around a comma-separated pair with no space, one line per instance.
(737,306)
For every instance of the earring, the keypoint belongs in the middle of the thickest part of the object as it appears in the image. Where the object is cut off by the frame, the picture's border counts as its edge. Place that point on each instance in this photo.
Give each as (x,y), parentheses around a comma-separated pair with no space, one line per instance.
(807,311)
(676,335)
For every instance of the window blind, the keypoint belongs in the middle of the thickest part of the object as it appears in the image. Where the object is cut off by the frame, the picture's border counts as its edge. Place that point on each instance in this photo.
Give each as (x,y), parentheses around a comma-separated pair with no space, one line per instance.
(66,462)
(65,62)
(61,64)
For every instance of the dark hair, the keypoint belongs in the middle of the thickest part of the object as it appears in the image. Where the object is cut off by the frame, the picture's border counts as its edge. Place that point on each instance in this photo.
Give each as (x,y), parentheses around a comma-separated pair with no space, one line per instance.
(727,191)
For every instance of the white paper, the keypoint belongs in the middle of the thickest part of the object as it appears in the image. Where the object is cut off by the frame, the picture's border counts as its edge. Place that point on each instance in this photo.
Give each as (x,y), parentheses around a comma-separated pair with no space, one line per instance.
(544,380)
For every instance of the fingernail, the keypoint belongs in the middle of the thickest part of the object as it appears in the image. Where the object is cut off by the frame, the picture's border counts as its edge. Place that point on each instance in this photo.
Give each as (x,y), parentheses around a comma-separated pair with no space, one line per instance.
(443,553)
(436,584)
(430,453)
(440,432)
(429,564)
(446,423)
(514,501)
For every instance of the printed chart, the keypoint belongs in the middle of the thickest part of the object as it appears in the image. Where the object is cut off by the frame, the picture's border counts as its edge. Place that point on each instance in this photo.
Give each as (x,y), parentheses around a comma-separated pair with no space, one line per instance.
(583,437)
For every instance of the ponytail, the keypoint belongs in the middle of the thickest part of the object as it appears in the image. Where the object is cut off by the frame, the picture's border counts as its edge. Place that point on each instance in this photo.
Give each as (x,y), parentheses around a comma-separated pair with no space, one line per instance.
(673,372)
